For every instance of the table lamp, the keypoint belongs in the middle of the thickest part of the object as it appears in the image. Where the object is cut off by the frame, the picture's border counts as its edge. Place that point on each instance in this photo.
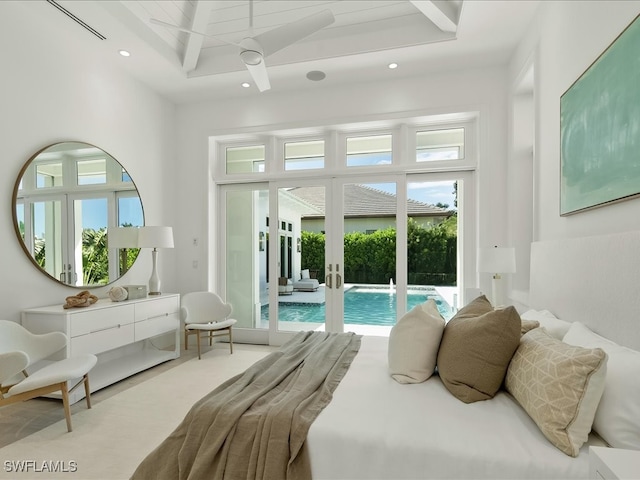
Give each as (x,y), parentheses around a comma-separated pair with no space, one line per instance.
(155,237)
(497,260)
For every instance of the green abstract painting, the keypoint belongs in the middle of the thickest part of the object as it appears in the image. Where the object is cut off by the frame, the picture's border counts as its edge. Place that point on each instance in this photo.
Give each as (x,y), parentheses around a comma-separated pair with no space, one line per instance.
(600,128)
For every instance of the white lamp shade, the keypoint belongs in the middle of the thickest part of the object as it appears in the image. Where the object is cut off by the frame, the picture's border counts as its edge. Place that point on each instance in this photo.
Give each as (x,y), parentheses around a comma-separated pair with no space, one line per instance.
(122,237)
(497,260)
(155,237)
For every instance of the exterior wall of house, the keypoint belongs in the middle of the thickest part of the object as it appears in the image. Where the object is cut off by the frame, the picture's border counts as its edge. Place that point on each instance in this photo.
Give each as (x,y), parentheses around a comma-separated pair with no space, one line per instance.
(365,225)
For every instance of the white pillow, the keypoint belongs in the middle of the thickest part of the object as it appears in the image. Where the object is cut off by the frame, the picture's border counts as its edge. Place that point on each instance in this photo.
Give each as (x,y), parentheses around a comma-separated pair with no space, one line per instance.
(414,342)
(304,274)
(617,419)
(557,328)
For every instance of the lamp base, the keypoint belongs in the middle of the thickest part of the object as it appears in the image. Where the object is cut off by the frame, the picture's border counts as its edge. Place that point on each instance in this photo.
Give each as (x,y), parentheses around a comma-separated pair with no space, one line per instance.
(155,293)
(497,286)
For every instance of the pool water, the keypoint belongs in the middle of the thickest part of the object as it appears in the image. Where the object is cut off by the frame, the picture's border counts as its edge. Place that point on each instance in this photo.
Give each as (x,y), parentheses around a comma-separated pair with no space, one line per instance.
(362,306)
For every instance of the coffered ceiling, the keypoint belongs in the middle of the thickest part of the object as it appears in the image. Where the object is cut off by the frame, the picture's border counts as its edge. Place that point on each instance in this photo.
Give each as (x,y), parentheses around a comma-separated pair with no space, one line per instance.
(421,36)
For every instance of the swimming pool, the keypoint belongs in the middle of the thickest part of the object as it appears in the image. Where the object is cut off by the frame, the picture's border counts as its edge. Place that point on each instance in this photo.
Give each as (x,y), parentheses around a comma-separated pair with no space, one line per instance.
(363,305)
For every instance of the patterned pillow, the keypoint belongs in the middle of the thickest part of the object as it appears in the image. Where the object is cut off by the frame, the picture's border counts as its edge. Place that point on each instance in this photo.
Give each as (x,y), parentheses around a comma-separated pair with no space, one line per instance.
(559,386)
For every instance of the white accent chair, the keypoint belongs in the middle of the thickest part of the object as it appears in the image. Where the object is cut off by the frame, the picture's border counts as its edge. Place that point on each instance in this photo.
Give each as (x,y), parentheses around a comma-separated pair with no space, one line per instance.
(20,349)
(206,312)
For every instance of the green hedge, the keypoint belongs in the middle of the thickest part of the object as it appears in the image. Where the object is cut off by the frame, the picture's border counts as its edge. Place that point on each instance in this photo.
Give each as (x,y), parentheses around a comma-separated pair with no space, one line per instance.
(371,258)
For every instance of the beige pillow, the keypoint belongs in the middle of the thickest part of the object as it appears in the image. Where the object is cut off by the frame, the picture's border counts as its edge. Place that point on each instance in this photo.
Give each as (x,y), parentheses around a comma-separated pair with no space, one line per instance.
(476,350)
(414,342)
(528,325)
(559,386)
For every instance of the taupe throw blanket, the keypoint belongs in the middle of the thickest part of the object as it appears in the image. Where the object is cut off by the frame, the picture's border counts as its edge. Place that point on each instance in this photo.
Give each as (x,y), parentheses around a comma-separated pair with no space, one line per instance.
(254,425)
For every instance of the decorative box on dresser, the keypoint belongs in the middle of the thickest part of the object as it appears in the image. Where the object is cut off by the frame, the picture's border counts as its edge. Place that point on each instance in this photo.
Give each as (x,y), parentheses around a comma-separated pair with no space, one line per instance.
(127,337)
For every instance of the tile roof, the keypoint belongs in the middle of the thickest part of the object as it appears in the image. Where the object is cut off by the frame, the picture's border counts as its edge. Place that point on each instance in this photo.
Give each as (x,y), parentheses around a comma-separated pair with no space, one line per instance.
(364,201)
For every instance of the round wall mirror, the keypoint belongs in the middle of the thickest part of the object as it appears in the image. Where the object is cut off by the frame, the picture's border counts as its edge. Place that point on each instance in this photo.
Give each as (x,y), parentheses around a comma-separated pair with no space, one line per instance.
(67,197)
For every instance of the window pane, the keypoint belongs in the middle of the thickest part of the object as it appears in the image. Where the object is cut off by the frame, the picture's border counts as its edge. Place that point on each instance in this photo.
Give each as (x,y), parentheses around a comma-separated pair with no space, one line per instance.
(304,155)
(432,239)
(92,172)
(440,145)
(368,151)
(49,175)
(245,159)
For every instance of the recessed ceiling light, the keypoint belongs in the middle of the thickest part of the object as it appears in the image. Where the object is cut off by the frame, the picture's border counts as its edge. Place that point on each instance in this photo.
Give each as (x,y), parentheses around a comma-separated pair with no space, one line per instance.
(392,65)
(316,75)
(124,53)
(245,85)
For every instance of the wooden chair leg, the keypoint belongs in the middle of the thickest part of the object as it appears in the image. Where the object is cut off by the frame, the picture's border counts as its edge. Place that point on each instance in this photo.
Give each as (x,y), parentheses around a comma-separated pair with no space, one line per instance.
(230,341)
(198,342)
(210,338)
(65,404)
(186,339)
(87,390)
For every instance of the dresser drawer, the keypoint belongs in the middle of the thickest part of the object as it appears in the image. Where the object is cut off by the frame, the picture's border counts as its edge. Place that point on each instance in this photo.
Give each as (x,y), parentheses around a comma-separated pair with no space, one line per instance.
(103,340)
(157,308)
(156,325)
(90,321)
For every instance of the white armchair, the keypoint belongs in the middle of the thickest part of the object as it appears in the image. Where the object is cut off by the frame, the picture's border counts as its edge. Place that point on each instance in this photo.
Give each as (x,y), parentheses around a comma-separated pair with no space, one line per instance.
(206,312)
(21,349)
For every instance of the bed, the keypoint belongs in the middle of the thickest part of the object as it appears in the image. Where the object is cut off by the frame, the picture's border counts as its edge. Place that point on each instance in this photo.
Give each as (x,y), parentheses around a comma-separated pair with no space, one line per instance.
(375,427)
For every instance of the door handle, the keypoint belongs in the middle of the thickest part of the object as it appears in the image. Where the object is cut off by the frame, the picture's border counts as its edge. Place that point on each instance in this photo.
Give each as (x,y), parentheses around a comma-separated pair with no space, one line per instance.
(329,282)
(338,280)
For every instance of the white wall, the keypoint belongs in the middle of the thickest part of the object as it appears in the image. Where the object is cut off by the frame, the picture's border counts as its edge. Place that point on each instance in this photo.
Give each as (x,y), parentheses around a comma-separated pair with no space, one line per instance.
(477,90)
(565,40)
(52,90)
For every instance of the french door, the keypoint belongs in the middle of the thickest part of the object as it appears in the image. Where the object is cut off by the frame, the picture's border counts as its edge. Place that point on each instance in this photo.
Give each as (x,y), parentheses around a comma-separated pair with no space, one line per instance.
(313,254)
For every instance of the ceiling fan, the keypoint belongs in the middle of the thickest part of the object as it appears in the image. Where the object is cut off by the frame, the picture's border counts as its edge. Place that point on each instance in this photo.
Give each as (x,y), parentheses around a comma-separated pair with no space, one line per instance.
(254,49)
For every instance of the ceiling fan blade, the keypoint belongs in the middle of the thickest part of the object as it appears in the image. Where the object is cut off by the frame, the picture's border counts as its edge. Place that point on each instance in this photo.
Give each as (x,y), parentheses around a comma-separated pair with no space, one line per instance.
(260,75)
(287,34)
(186,30)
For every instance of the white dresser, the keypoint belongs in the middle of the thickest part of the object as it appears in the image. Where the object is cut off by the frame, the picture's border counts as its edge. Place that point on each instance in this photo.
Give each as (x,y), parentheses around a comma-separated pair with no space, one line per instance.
(128,337)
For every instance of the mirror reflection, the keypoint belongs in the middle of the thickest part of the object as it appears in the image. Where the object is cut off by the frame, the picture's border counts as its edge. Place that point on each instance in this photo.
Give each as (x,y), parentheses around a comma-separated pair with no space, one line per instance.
(66,198)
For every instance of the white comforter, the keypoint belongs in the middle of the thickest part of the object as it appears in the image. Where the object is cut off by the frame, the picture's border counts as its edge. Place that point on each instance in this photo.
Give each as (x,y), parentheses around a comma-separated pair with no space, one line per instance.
(376,428)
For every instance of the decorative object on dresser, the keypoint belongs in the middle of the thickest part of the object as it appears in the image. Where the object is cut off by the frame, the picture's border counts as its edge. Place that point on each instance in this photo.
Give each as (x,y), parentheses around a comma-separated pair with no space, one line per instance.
(497,260)
(127,337)
(155,237)
(20,350)
(118,294)
(206,311)
(83,299)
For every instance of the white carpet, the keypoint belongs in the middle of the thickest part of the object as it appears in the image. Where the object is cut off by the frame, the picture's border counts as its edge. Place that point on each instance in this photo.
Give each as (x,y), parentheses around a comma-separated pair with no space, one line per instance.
(111,439)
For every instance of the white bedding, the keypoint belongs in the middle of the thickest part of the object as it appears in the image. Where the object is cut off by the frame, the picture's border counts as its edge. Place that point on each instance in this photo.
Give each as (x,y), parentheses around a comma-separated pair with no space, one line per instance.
(376,428)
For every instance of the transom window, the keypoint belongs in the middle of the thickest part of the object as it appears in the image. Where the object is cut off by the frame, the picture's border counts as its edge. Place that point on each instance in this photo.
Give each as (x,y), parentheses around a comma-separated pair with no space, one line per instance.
(369,150)
(434,145)
(418,144)
(245,159)
(304,155)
